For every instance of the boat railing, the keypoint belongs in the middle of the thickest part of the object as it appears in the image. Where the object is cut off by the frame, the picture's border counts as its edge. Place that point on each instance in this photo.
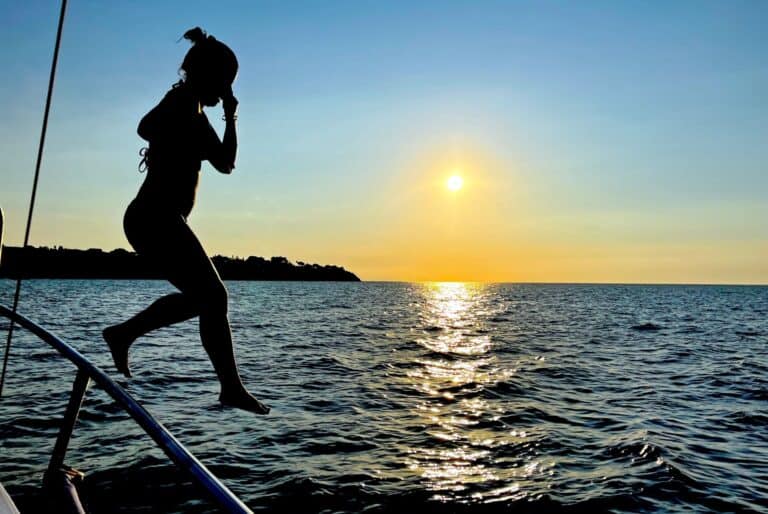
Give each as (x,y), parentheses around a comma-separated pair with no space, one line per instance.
(86,371)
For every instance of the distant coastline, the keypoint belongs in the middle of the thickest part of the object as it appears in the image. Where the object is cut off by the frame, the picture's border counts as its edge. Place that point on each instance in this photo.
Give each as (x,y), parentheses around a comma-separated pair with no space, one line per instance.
(58,262)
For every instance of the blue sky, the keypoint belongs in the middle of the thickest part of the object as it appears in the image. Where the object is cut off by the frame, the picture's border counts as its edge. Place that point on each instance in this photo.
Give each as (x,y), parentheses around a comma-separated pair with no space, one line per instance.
(618,130)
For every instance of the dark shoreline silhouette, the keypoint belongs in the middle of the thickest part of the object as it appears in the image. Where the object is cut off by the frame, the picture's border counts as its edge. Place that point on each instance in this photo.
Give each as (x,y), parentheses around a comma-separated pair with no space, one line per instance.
(44,262)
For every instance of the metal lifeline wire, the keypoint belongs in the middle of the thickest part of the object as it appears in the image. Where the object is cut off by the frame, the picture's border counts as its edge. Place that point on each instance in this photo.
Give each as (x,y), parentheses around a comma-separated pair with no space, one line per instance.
(34,183)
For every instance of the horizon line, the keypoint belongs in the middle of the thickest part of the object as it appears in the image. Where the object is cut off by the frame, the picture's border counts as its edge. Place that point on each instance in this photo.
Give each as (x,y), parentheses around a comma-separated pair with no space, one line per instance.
(522,282)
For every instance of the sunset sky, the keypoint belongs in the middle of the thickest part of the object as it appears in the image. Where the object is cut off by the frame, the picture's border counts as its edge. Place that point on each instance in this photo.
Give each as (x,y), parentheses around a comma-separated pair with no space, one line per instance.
(603,141)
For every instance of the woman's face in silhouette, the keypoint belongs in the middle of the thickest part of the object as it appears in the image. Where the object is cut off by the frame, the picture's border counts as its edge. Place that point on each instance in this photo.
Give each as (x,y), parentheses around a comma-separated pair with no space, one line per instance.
(213,87)
(210,68)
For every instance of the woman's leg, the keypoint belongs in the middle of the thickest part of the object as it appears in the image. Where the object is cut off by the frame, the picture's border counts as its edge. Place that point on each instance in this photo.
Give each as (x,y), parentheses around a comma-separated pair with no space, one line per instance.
(166,311)
(199,281)
(174,248)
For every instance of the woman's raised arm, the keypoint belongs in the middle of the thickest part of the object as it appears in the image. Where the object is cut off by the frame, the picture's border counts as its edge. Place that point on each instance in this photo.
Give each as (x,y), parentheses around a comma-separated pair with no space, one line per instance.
(222,154)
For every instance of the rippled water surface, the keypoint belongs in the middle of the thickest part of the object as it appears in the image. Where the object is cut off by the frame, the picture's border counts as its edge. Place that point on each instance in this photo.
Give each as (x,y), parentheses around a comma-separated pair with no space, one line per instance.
(398,397)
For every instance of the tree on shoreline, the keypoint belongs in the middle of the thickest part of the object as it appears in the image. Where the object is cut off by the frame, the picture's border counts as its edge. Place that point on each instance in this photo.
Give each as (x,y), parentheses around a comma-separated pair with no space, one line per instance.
(58,262)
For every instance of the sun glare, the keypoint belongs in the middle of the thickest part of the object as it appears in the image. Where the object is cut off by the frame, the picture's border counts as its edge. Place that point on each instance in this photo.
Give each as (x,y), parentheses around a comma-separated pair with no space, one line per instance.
(455,183)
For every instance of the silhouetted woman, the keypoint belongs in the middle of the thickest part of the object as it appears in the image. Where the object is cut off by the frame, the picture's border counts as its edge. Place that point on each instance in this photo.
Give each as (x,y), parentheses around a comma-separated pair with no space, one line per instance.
(180,138)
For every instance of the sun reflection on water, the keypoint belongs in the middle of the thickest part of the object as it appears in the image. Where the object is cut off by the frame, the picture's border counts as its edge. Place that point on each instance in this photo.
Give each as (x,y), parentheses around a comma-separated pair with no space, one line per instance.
(453,378)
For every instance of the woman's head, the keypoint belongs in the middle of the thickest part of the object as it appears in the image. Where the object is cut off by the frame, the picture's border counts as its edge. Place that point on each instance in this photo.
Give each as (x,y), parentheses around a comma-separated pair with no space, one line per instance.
(209,67)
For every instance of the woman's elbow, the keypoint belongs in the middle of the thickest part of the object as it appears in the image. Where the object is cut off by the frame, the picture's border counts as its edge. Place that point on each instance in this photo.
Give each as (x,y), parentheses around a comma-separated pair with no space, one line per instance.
(226,169)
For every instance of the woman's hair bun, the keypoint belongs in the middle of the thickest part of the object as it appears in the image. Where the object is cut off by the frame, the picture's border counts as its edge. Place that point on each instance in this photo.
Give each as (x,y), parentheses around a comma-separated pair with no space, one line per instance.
(196,35)
(208,56)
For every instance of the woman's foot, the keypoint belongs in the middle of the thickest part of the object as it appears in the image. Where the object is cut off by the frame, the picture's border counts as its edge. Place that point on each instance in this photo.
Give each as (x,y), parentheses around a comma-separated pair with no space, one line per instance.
(243,400)
(118,344)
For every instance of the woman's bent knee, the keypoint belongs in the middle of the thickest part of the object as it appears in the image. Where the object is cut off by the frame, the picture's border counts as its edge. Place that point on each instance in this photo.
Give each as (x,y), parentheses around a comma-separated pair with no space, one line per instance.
(214,299)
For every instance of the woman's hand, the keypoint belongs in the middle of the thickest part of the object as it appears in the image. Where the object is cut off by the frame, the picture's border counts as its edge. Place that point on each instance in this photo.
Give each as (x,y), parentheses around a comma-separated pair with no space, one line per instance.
(224,159)
(229,102)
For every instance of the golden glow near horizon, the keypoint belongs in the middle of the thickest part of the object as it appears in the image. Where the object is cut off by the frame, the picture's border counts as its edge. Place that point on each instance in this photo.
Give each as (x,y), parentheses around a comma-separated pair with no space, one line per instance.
(455,182)
(412,227)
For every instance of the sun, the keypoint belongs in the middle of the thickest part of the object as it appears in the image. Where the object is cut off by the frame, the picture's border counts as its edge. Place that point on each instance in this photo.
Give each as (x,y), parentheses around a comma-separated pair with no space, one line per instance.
(455,183)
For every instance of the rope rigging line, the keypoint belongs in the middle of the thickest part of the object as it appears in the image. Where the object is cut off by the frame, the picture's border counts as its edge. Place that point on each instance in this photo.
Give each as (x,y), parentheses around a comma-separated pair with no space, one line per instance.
(34,183)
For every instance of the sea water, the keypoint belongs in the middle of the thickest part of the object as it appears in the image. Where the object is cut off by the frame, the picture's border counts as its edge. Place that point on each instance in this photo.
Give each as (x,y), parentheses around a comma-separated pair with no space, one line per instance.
(413,397)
